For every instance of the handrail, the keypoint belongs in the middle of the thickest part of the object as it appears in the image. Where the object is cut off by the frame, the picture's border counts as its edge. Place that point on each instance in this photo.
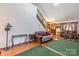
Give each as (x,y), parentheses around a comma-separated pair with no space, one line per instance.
(42,21)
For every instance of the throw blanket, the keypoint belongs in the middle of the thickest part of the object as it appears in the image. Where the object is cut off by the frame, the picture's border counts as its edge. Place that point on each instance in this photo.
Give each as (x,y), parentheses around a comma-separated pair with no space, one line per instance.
(47,38)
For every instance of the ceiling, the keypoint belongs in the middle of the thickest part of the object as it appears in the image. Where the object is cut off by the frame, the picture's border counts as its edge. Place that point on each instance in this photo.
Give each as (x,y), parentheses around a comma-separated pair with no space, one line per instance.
(61,12)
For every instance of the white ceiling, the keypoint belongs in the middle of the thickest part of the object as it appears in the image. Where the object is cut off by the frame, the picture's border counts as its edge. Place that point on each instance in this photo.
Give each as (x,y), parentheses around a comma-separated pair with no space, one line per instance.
(62,11)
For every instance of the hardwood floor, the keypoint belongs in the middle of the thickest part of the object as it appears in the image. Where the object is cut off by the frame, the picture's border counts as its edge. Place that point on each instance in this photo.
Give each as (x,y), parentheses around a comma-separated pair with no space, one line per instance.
(18,49)
(21,48)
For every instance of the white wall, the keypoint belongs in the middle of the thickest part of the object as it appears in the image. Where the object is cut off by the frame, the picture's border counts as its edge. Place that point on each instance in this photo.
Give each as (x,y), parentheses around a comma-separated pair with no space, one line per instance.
(21,16)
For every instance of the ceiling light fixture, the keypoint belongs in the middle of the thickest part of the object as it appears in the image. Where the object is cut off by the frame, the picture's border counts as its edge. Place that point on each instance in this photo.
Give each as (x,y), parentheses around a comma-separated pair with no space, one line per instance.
(56,4)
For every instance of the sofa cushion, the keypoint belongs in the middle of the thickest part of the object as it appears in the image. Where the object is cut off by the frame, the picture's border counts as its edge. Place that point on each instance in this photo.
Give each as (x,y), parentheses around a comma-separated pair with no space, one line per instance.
(48,33)
(42,33)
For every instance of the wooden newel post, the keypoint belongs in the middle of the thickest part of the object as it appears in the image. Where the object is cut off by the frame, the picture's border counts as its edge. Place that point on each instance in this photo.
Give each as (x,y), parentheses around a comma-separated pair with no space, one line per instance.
(0,53)
(7,28)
